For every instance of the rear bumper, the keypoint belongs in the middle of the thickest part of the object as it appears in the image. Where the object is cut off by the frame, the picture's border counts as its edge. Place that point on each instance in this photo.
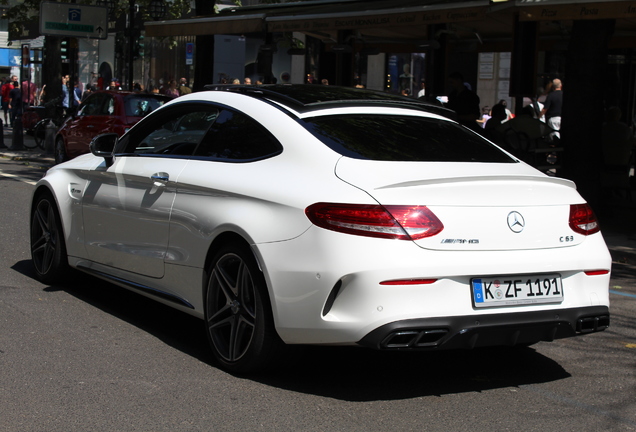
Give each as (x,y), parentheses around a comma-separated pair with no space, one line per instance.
(474,331)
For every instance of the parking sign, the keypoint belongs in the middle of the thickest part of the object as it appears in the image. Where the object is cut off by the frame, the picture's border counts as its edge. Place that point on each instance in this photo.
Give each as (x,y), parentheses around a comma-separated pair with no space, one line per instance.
(70,19)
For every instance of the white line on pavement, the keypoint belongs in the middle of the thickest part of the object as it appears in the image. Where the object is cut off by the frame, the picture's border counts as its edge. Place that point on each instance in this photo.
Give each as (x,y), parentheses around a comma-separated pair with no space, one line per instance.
(19,178)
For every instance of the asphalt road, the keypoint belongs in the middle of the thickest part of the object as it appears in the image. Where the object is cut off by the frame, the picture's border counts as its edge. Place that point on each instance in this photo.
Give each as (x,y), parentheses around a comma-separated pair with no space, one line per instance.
(89,356)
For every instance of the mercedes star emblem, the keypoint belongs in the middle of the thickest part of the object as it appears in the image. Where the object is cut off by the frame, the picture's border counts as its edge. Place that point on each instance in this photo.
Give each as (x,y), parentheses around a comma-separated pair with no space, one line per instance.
(516,222)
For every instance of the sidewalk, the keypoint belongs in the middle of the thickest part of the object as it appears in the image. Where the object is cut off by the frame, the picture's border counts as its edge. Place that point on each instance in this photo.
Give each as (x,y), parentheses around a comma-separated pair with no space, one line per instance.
(617,217)
(27,154)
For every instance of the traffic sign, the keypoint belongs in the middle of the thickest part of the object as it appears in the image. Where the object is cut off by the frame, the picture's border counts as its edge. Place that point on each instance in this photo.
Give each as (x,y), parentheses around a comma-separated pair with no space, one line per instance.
(189,53)
(71,19)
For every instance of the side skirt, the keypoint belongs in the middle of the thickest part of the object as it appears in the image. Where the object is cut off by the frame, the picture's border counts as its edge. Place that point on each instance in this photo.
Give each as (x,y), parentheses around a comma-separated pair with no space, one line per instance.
(152,292)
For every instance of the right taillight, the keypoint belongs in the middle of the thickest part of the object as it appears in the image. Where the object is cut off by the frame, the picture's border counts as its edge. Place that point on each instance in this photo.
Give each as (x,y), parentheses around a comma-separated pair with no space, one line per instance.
(394,221)
(583,220)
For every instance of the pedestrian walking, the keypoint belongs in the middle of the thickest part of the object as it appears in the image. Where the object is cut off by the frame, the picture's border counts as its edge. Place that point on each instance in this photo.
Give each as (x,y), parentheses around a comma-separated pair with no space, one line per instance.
(553,106)
(464,102)
(183,87)
(15,103)
(6,88)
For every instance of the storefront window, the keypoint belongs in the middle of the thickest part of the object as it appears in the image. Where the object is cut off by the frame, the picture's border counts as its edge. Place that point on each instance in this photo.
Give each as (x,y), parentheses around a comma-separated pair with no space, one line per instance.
(406,73)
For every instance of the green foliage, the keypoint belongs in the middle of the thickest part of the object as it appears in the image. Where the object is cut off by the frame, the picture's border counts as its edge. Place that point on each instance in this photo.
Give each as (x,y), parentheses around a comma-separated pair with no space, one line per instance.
(19,13)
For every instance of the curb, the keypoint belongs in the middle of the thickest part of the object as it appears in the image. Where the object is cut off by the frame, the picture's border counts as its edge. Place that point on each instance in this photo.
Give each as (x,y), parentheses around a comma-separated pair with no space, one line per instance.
(24,155)
(30,155)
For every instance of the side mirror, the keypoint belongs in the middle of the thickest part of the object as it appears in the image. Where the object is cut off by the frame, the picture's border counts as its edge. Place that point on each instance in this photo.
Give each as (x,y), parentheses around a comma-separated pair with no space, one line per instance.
(104,145)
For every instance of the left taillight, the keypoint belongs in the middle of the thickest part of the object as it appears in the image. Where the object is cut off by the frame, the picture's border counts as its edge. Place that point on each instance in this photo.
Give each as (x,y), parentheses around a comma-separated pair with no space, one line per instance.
(583,220)
(394,221)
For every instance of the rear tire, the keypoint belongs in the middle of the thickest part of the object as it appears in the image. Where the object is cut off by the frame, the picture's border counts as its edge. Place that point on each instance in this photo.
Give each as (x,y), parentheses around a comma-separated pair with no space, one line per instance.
(48,249)
(39,133)
(31,144)
(238,317)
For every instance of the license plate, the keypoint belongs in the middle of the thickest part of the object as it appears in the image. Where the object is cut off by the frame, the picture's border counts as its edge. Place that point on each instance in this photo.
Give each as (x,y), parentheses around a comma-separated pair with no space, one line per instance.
(517,290)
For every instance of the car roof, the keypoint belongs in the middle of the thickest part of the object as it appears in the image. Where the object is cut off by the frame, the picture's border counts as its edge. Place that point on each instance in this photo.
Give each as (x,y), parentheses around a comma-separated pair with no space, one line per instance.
(124,93)
(307,97)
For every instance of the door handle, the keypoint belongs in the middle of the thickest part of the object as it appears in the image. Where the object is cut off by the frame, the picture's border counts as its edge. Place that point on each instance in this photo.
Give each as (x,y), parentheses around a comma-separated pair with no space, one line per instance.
(160,176)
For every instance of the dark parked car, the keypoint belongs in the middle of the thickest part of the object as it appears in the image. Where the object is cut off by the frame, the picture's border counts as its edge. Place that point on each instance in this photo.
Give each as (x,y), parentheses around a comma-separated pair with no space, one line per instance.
(102,112)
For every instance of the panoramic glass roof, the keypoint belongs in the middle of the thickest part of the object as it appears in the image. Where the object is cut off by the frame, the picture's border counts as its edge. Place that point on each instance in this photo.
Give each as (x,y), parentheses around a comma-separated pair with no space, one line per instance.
(308,96)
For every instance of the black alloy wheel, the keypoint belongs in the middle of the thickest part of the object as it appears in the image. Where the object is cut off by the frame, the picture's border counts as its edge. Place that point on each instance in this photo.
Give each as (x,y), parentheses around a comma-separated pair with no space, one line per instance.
(48,250)
(238,316)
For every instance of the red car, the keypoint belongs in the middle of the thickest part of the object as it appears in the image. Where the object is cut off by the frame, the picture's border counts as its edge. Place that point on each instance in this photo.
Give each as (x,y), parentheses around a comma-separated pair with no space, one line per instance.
(102,112)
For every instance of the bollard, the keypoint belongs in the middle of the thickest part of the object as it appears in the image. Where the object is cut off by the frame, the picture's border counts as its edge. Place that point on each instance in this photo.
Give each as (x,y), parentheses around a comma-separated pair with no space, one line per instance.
(49,136)
(18,137)
(2,135)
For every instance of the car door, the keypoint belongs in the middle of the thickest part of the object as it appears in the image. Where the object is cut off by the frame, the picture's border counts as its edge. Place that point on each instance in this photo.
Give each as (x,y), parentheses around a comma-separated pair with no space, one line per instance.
(218,188)
(91,120)
(127,206)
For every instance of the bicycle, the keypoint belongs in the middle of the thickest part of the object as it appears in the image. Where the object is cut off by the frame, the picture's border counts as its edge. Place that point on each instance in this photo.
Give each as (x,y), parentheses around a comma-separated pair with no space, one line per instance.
(39,130)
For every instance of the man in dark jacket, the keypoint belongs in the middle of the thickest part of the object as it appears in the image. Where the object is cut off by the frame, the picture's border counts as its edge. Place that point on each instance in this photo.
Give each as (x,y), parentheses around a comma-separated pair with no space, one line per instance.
(15,102)
(464,102)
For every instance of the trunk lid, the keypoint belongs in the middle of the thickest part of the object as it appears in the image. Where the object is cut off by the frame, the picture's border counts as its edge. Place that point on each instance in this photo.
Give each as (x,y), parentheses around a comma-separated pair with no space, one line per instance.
(483,206)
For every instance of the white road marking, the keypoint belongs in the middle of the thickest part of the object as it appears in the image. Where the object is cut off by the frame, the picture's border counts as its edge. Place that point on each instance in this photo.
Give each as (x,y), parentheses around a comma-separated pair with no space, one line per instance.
(17,177)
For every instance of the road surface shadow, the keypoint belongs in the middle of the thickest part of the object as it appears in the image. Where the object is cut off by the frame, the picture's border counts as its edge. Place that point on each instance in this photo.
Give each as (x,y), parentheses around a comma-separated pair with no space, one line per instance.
(34,172)
(361,375)
(343,373)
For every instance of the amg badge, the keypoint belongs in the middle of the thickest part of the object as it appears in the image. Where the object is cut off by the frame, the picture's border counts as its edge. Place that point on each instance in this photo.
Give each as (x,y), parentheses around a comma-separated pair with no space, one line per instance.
(460,241)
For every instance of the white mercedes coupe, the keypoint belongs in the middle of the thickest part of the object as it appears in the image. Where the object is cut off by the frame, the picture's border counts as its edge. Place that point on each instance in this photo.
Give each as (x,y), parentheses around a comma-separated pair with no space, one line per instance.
(308,214)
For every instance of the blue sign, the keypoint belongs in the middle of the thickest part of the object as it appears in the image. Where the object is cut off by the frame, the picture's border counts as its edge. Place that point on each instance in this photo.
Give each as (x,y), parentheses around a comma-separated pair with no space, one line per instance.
(189,53)
(10,57)
(74,14)
(478,292)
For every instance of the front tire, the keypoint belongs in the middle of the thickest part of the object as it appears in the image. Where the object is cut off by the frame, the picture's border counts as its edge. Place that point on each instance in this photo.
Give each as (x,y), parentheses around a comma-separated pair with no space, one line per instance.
(238,316)
(48,249)
(60,151)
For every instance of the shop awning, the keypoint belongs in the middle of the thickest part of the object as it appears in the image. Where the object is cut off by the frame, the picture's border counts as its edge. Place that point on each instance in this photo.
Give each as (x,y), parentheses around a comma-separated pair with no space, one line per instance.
(404,21)
(561,10)
(556,16)
(327,17)
(393,17)
(207,26)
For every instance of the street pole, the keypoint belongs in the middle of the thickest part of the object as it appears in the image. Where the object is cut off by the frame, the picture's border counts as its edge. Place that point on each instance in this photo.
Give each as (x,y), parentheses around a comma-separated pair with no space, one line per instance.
(131,31)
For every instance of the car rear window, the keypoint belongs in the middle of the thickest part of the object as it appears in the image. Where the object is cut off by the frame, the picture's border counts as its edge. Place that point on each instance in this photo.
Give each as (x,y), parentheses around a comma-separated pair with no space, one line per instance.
(142,105)
(403,138)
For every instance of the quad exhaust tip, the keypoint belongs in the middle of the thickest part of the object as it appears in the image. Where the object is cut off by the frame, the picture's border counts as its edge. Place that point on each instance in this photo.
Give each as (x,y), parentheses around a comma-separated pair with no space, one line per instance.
(432,338)
(413,339)
(592,324)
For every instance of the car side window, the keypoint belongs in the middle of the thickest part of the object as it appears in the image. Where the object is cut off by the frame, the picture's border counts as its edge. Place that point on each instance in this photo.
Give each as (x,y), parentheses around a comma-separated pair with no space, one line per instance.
(235,137)
(141,105)
(173,136)
(92,105)
(110,106)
